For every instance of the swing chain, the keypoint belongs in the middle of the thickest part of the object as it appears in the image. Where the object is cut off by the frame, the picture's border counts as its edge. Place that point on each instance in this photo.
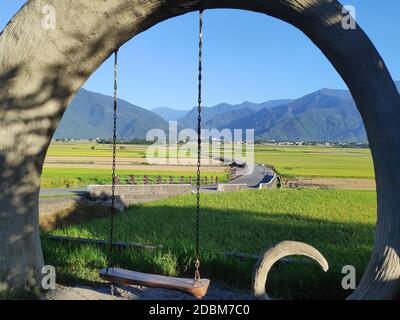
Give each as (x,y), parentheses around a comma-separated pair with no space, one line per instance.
(197,276)
(114,155)
(197,262)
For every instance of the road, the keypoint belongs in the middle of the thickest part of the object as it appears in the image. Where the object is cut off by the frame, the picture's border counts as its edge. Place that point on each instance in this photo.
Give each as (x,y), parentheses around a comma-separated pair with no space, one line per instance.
(63,191)
(259,175)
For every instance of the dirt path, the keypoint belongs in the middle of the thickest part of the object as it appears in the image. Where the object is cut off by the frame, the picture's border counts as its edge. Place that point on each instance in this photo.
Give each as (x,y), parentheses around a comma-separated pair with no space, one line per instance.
(332,183)
(137,293)
(128,164)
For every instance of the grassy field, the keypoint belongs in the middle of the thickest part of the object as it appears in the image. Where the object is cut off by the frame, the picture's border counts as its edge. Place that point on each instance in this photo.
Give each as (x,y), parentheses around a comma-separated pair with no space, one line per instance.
(62,168)
(93,149)
(76,178)
(248,222)
(317,161)
(289,161)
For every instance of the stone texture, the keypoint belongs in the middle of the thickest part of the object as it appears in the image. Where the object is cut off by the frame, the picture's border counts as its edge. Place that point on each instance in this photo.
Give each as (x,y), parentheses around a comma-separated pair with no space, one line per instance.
(127,195)
(172,189)
(130,199)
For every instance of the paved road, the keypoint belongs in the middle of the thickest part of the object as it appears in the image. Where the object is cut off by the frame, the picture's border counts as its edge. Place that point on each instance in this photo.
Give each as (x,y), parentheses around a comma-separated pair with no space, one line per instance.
(63,191)
(259,175)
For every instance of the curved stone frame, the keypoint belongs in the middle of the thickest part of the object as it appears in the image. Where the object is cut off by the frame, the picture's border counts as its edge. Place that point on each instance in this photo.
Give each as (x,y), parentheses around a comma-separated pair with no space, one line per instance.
(41,70)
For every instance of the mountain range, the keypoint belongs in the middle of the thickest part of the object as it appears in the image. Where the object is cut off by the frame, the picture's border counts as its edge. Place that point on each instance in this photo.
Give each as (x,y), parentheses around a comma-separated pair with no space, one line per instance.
(221,115)
(324,115)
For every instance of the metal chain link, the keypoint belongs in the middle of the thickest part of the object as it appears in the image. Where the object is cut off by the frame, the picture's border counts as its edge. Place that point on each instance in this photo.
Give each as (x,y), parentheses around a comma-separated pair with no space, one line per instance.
(197,276)
(114,156)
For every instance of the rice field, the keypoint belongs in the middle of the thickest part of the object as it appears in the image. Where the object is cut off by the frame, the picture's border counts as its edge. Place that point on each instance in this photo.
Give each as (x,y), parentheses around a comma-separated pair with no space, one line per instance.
(79,178)
(94,149)
(248,222)
(78,164)
(325,162)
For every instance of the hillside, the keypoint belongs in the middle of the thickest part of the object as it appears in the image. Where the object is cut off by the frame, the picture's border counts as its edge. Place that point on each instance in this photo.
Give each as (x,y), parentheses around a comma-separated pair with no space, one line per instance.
(222,114)
(325,115)
(90,115)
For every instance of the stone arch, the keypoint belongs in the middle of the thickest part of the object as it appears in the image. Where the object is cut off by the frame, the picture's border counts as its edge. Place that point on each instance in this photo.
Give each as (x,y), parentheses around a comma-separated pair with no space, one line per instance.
(41,70)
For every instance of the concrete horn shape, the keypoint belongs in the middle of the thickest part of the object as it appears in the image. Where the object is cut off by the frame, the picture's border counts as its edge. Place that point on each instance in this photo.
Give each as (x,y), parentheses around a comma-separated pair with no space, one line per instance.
(276,253)
(42,66)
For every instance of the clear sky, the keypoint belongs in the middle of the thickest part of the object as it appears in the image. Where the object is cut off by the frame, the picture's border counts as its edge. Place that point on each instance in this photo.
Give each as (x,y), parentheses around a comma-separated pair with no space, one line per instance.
(247,57)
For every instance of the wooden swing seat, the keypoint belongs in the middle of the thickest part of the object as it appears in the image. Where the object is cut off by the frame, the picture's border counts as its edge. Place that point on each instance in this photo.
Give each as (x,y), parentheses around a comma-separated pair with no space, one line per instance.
(197,289)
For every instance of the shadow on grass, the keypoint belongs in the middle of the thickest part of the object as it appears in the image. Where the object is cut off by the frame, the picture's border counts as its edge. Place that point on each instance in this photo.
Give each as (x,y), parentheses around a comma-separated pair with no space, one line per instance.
(342,243)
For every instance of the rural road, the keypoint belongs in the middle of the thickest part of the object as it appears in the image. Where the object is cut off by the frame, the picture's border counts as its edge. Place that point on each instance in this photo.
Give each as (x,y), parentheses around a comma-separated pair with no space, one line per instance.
(63,191)
(259,175)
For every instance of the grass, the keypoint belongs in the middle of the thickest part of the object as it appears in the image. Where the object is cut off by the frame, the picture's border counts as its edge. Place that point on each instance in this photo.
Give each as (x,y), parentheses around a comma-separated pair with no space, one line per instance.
(77,178)
(85,149)
(318,161)
(93,149)
(249,222)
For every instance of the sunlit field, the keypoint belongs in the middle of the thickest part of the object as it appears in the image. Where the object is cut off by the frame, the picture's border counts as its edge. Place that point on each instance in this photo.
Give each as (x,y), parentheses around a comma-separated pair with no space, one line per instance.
(338,223)
(79,178)
(317,161)
(247,222)
(78,164)
(94,149)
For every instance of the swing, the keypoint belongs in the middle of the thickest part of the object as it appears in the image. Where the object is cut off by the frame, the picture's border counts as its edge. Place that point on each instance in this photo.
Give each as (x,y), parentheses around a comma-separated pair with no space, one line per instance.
(196,287)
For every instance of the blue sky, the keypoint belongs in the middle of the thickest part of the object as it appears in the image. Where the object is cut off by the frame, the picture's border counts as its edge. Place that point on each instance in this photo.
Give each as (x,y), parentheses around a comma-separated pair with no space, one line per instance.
(247,57)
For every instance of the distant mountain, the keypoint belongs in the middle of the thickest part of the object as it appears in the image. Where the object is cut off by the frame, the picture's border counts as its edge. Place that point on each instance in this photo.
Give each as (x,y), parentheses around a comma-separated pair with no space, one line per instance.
(325,115)
(90,115)
(222,114)
(169,114)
